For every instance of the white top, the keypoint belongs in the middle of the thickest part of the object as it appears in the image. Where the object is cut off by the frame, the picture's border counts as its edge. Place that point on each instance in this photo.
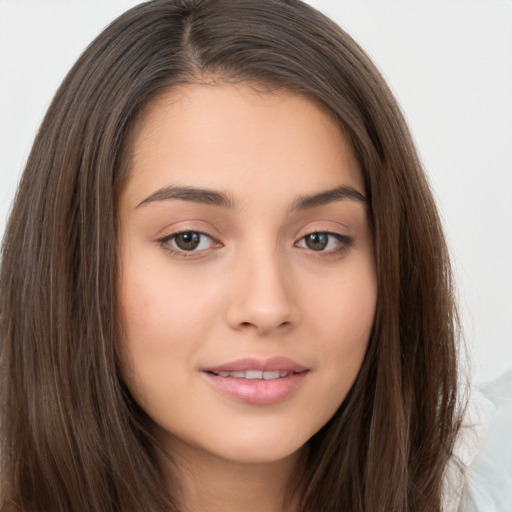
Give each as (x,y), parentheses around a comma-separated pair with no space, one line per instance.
(484,448)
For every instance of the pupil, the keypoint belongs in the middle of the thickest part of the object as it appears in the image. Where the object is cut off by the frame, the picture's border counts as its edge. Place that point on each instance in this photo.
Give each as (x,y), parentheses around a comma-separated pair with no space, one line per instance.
(317,241)
(187,241)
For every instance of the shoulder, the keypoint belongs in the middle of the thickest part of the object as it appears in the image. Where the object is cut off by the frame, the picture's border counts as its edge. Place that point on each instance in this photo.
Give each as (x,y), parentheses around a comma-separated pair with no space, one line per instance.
(486,446)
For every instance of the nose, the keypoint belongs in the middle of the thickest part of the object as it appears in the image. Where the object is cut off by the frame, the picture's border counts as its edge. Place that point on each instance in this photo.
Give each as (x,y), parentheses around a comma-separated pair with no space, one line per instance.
(262,297)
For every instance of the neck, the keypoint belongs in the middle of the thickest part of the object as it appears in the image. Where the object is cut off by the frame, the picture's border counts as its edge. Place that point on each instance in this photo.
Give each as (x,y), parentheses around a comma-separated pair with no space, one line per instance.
(208,482)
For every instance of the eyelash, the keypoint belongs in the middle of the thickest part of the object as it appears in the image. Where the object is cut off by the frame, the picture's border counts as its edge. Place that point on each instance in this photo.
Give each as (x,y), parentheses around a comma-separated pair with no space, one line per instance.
(164,243)
(345,243)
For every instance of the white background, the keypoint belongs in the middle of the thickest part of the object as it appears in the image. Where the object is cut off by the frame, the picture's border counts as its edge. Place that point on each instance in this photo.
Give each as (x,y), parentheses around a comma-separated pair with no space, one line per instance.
(449,63)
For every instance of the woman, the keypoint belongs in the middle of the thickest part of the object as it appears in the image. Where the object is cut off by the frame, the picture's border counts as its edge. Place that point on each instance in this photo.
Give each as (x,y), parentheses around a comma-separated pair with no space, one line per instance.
(224,280)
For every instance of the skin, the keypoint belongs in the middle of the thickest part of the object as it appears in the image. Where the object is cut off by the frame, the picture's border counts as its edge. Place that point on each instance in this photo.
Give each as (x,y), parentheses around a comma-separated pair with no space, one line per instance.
(254,287)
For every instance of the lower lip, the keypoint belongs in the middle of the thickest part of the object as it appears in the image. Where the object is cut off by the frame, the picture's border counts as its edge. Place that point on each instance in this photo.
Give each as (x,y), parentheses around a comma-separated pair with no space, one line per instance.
(258,391)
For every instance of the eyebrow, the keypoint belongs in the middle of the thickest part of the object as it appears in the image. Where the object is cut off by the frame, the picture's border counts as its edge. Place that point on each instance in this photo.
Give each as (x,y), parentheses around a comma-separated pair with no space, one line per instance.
(223,200)
(328,196)
(195,195)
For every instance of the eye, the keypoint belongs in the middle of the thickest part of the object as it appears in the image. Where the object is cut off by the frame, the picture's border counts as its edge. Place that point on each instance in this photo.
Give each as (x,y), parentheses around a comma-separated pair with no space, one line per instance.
(188,241)
(325,242)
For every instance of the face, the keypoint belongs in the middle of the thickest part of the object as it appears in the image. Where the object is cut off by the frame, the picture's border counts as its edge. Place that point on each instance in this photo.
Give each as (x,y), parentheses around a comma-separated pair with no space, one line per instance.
(247,286)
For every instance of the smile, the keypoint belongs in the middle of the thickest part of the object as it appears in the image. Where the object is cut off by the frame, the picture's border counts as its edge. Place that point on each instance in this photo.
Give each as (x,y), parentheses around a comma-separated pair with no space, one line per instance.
(257,382)
(254,374)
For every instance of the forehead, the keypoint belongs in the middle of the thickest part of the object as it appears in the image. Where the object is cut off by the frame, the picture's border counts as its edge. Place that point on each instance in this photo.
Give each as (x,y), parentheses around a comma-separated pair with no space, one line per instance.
(236,138)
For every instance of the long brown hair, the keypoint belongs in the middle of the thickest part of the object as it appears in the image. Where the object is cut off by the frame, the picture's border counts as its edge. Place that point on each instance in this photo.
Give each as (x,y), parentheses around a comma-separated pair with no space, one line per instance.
(72,438)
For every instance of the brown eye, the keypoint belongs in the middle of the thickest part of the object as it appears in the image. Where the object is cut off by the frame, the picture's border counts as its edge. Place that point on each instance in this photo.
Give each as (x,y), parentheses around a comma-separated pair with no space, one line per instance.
(325,242)
(188,241)
(317,241)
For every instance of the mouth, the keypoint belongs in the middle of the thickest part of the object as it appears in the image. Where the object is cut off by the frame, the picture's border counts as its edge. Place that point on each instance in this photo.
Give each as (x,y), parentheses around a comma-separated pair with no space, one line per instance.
(255,374)
(257,382)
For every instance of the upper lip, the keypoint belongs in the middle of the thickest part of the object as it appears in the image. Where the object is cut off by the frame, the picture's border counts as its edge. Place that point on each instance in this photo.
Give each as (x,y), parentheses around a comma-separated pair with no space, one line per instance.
(250,363)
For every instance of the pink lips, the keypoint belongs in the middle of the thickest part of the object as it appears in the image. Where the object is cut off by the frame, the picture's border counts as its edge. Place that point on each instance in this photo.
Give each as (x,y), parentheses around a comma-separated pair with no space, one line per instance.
(258,391)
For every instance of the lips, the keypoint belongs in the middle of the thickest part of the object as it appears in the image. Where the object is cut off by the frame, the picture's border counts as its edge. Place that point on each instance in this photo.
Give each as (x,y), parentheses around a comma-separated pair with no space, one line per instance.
(255,374)
(257,382)
(273,364)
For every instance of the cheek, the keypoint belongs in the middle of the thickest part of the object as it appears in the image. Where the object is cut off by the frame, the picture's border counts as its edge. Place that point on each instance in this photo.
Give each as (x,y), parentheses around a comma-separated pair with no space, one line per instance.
(164,323)
(344,305)
(342,312)
(159,306)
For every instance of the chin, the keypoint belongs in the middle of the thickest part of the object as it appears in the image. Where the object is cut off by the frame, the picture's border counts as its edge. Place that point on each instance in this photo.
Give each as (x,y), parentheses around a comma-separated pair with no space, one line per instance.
(261,453)
(254,446)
